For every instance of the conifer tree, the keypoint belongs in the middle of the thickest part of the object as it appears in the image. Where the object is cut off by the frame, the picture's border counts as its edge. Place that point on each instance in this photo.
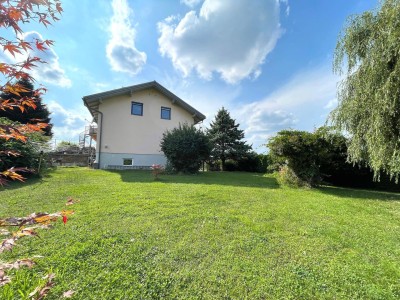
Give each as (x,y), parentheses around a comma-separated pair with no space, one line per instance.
(30,115)
(226,138)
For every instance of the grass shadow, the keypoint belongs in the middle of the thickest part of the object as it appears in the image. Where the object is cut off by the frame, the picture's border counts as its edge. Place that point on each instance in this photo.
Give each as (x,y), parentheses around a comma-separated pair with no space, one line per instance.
(29,181)
(360,193)
(240,179)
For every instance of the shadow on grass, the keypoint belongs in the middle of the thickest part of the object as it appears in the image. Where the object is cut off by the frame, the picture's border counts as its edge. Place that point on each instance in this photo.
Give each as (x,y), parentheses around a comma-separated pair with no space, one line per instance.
(360,193)
(29,181)
(241,179)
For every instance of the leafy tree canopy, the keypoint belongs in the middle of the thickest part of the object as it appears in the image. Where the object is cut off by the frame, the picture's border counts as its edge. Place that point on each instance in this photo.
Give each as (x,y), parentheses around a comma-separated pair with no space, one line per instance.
(368,53)
(226,138)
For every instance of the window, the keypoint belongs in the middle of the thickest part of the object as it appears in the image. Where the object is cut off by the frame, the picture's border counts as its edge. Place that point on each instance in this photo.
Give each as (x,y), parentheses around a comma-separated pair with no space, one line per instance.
(127,162)
(165,113)
(137,109)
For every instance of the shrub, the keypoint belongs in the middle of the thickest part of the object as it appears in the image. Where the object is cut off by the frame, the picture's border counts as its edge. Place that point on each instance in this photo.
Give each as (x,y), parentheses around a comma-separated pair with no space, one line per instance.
(286,176)
(30,154)
(299,151)
(231,165)
(250,162)
(185,148)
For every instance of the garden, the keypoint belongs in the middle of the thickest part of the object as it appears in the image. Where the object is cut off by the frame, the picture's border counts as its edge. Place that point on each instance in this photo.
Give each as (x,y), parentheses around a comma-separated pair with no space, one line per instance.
(214,235)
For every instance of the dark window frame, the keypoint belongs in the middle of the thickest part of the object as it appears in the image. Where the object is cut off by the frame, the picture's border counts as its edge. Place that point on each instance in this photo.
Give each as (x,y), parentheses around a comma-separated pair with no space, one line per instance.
(166,109)
(125,160)
(136,104)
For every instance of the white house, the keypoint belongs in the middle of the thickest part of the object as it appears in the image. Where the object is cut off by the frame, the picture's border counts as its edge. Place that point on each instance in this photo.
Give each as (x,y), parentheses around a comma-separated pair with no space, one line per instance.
(131,121)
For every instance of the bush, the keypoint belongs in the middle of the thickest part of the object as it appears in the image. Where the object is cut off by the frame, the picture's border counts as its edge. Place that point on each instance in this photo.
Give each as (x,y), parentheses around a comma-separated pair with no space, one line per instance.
(250,162)
(30,153)
(264,163)
(286,176)
(318,157)
(300,152)
(231,165)
(185,148)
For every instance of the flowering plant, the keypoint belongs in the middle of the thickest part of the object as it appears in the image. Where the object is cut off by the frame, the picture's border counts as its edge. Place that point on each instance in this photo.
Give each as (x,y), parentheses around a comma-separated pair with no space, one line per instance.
(156,171)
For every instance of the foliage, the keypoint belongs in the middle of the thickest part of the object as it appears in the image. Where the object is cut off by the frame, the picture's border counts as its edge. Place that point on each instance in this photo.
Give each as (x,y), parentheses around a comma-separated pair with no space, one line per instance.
(369,97)
(299,151)
(28,155)
(286,176)
(13,13)
(30,115)
(322,152)
(265,163)
(185,148)
(27,227)
(66,146)
(230,235)
(248,162)
(226,138)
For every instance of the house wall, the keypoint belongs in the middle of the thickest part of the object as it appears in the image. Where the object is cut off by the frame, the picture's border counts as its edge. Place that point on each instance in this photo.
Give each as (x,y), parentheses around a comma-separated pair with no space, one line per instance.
(129,136)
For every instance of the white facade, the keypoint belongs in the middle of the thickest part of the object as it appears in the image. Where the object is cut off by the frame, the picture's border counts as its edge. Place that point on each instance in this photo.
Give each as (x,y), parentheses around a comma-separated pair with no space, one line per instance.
(126,139)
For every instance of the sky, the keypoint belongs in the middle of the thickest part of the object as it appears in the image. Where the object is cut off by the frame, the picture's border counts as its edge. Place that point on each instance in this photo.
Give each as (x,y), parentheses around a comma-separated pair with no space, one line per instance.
(268,62)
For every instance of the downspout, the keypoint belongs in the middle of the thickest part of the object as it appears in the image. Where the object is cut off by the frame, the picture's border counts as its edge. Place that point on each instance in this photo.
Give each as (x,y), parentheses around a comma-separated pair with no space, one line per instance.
(100,130)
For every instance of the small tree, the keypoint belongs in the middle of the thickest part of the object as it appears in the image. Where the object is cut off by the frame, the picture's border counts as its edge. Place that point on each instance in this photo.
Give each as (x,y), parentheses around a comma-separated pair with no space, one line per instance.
(226,138)
(185,148)
(30,115)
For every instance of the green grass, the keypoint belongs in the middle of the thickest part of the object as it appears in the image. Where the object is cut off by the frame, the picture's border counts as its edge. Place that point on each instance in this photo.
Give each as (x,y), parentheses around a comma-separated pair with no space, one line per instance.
(207,236)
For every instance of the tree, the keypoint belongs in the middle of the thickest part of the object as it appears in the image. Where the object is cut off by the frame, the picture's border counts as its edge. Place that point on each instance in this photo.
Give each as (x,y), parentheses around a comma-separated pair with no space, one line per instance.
(226,138)
(13,13)
(185,148)
(30,153)
(368,53)
(39,114)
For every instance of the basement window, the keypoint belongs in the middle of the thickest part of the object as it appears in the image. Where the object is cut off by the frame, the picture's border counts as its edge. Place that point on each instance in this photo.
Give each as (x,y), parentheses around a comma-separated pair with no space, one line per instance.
(127,162)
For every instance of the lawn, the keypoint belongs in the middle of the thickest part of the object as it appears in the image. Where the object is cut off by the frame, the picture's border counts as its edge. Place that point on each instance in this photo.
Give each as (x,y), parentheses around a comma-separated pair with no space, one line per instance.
(206,236)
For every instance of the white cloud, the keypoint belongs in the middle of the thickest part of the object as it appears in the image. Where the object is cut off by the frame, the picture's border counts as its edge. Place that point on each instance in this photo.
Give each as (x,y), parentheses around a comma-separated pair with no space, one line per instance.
(331,104)
(286,3)
(231,38)
(68,123)
(121,50)
(297,104)
(50,72)
(191,3)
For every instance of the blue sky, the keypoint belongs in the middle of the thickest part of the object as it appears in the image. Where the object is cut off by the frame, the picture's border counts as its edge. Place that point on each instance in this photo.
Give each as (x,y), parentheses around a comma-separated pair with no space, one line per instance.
(268,62)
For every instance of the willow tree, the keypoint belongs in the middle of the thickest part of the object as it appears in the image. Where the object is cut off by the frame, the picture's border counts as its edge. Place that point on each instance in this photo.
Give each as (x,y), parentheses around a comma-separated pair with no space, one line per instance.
(368,53)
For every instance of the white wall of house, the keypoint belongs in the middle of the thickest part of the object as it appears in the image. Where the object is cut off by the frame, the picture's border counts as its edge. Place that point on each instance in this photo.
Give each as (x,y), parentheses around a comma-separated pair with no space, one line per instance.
(138,137)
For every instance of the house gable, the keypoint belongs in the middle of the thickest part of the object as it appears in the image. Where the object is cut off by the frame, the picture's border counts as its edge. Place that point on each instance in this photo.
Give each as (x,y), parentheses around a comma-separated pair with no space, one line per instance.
(131,122)
(93,101)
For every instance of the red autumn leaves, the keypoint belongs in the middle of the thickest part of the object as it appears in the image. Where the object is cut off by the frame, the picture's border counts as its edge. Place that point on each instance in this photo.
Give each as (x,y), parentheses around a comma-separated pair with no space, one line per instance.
(28,226)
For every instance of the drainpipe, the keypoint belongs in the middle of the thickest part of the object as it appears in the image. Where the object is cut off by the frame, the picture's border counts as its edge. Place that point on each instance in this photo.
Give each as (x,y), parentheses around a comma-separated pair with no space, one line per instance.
(100,130)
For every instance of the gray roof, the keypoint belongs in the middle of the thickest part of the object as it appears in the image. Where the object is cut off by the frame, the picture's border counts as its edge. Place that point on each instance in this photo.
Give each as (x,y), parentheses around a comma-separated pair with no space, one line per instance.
(92,102)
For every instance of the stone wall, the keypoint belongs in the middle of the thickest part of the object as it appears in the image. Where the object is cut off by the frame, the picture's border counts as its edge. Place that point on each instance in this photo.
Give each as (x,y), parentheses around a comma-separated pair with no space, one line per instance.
(59,159)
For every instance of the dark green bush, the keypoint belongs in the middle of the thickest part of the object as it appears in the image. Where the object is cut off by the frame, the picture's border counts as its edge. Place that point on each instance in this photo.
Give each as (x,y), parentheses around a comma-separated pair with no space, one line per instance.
(318,157)
(231,165)
(185,148)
